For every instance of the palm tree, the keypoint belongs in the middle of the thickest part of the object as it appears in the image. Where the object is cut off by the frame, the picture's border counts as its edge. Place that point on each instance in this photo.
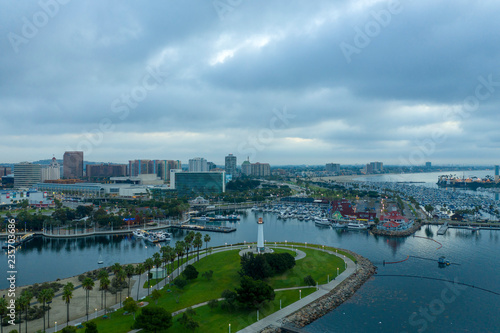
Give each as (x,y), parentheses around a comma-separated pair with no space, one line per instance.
(121,275)
(102,273)
(67,296)
(139,269)
(148,264)
(188,240)
(88,285)
(206,239)
(129,270)
(172,260)
(27,298)
(50,295)
(3,311)
(179,250)
(116,267)
(42,298)
(157,262)
(197,243)
(165,251)
(104,285)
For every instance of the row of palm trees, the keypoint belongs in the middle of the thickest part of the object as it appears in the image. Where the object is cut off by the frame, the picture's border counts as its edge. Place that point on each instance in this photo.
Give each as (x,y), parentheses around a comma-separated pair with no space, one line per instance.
(44,297)
(166,257)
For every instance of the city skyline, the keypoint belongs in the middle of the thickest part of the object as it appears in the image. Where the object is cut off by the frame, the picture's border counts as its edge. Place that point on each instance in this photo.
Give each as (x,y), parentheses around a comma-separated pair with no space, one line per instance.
(286,84)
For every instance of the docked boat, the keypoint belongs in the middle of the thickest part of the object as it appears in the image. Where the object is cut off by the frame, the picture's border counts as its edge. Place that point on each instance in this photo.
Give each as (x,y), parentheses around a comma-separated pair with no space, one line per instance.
(473,228)
(163,236)
(357,226)
(138,233)
(339,225)
(100,261)
(322,222)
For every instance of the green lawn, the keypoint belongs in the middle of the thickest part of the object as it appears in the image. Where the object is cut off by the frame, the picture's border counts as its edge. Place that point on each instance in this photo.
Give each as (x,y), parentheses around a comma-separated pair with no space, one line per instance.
(218,320)
(318,264)
(225,266)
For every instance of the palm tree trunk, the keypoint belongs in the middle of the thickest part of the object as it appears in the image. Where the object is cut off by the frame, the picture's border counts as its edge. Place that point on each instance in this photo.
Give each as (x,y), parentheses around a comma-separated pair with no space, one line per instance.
(48,317)
(138,286)
(26,317)
(87,305)
(128,288)
(43,317)
(67,313)
(105,307)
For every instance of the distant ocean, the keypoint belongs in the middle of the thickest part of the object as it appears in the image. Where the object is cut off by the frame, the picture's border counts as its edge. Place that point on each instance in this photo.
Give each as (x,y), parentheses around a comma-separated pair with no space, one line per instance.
(424,178)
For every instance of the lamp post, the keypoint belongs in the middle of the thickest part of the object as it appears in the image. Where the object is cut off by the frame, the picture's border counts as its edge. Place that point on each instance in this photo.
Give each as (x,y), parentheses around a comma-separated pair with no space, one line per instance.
(300,294)
(229,328)
(56,326)
(306,244)
(95,314)
(337,271)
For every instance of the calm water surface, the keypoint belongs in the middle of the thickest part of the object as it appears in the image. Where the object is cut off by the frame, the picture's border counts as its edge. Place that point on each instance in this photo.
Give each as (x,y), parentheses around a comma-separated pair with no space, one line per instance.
(383,304)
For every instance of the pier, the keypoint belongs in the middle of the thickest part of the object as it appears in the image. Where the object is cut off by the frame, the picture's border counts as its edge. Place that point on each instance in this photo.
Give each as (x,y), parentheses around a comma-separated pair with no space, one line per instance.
(442,229)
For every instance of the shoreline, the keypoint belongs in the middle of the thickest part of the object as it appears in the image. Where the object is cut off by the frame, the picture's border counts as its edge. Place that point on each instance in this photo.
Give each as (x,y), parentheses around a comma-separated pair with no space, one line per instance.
(329,302)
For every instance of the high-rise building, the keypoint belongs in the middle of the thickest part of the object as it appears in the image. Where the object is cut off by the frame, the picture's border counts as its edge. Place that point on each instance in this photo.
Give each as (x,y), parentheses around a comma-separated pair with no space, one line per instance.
(374,167)
(138,167)
(161,168)
(261,169)
(198,164)
(99,171)
(52,171)
(428,165)
(191,184)
(497,173)
(4,171)
(255,169)
(246,168)
(27,174)
(230,165)
(73,164)
(333,167)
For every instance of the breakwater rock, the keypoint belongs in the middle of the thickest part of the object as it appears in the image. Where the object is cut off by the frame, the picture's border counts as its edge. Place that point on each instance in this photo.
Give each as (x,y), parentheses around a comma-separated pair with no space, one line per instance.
(403,233)
(334,298)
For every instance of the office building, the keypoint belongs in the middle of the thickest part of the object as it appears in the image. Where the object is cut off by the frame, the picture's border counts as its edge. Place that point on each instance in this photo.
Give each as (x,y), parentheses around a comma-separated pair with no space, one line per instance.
(52,171)
(428,165)
(497,173)
(230,165)
(332,167)
(27,174)
(73,164)
(192,184)
(198,164)
(4,171)
(102,171)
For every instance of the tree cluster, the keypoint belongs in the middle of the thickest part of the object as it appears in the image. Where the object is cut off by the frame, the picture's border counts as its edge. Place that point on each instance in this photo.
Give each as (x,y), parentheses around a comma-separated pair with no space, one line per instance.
(263,266)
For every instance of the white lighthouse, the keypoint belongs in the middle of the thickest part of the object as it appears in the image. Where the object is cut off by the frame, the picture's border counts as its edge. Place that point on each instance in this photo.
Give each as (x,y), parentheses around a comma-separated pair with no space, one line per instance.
(260,236)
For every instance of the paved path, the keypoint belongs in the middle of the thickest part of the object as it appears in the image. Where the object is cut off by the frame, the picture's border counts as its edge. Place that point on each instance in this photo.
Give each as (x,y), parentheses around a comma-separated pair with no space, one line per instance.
(276,318)
(273,319)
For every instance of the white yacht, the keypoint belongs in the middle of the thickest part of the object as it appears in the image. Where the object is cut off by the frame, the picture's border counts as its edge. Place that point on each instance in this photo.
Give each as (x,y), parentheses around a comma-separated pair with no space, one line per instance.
(356,226)
(138,233)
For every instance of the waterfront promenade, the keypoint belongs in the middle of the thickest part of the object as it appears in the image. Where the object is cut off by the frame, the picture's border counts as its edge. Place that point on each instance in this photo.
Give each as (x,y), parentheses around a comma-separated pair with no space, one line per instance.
(271,320)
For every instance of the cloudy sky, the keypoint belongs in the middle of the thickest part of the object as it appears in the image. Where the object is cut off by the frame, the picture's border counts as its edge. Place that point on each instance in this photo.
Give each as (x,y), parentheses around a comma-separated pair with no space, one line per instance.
(284,82)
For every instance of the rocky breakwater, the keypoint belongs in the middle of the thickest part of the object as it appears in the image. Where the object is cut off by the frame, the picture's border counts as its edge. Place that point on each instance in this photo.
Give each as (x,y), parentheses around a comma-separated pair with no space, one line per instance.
(334,298)
(398,233)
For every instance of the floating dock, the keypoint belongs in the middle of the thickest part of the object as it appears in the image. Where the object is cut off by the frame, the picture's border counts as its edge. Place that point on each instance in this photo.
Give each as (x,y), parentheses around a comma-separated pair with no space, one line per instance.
(442,229)
(211,228)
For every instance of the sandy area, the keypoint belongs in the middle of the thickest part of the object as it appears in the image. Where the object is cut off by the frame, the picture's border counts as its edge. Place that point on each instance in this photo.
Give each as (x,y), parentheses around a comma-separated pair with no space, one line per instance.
(76,307)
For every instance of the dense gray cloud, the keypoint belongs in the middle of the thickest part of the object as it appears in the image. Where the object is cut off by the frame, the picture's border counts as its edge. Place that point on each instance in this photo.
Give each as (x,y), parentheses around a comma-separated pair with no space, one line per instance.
(285,82)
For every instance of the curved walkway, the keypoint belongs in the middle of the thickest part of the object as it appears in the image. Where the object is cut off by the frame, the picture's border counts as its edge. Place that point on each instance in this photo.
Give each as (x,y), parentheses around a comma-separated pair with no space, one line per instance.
(276,318)
(273,319)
